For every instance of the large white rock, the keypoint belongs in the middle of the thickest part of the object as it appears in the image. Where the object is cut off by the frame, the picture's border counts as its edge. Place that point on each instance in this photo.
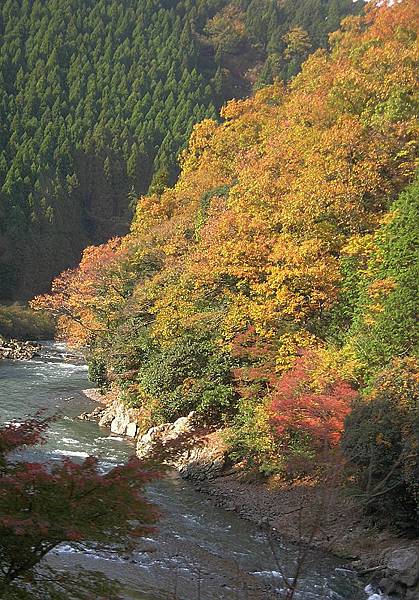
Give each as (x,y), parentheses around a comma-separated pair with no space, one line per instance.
(131,429)
(195,452)
(107,416)
(120,423)
(161,436)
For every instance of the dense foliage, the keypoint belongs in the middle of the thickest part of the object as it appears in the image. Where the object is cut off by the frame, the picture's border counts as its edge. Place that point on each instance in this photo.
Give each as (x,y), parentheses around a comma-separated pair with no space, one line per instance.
(385,323)
(90,96)
(98,97)
(258,289)
(381,438)
(43,505)
(20,322)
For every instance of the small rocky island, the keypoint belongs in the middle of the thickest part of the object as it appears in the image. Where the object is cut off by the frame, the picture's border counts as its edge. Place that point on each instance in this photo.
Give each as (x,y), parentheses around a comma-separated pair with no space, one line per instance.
(18,350)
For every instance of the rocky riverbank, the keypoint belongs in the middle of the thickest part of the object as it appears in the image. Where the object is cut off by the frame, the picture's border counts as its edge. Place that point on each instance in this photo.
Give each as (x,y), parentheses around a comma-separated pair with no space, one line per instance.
(308,512)
(196,452)
(16,350)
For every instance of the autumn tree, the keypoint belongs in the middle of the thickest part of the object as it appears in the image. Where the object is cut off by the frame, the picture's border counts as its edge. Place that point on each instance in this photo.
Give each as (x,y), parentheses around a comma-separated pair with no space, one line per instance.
(77,298)
(290,418)
(98,98)
(381,442)
(226,30)
(45,504)
(308,412)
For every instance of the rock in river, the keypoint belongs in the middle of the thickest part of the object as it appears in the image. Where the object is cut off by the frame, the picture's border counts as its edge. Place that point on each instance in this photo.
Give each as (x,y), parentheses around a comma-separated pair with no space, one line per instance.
(16,350)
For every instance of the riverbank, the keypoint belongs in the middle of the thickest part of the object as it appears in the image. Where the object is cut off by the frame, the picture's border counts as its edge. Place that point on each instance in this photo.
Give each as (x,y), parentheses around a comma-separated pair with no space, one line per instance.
(305,512)
(19,321)
(310,513)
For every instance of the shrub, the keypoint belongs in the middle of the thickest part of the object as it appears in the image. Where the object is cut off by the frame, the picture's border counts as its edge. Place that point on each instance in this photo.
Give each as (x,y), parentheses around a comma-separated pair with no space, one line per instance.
(19,321)
(381,440)
(251,437)
(98,372)
(192,374)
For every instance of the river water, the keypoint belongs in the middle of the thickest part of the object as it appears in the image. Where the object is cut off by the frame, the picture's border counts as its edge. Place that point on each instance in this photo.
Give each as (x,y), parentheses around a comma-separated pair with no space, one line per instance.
(199,551)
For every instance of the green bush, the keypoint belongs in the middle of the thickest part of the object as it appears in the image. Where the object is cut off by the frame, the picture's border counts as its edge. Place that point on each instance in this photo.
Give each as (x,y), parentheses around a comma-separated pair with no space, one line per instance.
(251,438)
(20,322)
(192,374)
(386,322)
(98,372)
(381,441)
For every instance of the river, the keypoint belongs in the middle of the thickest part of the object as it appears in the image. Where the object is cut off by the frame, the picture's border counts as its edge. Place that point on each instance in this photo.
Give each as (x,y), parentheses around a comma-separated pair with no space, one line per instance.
(199,551)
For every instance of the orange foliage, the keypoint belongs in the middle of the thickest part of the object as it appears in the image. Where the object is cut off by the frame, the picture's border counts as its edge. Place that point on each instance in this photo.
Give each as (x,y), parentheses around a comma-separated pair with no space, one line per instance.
(75,293)
(319,413)
(307,169)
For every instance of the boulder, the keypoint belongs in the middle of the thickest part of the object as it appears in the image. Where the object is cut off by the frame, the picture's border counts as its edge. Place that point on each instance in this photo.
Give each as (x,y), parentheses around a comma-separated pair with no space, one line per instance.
(120,423)
(92,416)
(16,350)
(115,415)
(197,454)
(131,429)
(390,586)
(206,460)
(403,566)
(164,437)
(107,416)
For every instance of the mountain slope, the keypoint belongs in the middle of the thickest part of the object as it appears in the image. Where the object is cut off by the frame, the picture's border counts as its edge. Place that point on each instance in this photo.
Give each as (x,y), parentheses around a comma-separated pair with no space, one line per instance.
(98,97)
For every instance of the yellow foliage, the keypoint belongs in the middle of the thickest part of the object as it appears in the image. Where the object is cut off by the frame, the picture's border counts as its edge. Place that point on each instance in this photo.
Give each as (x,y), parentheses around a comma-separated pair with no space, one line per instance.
(289,345)
(307,172)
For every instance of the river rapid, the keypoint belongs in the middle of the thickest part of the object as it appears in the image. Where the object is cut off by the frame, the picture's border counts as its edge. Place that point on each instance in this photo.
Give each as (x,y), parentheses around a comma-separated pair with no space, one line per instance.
(199,551)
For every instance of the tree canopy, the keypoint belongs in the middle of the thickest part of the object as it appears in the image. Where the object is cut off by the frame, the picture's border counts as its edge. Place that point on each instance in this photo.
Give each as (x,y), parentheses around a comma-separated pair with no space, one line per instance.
(44,505)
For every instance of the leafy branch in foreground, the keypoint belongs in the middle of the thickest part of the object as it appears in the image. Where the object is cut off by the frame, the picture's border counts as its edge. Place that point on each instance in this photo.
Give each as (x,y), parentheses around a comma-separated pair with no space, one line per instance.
(43,505)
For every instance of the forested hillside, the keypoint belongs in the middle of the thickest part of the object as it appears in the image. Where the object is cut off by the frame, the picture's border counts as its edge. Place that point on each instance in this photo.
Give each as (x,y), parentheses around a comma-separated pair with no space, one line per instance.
(272,290)
(97,97)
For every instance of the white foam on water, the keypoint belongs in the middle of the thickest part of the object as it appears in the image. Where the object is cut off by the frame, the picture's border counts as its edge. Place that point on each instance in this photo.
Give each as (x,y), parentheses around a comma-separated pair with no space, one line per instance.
(70,441)
(373,594)
(267,574)
(71,366)
(108,556)
(112,438)
(66,549)
(71,453)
